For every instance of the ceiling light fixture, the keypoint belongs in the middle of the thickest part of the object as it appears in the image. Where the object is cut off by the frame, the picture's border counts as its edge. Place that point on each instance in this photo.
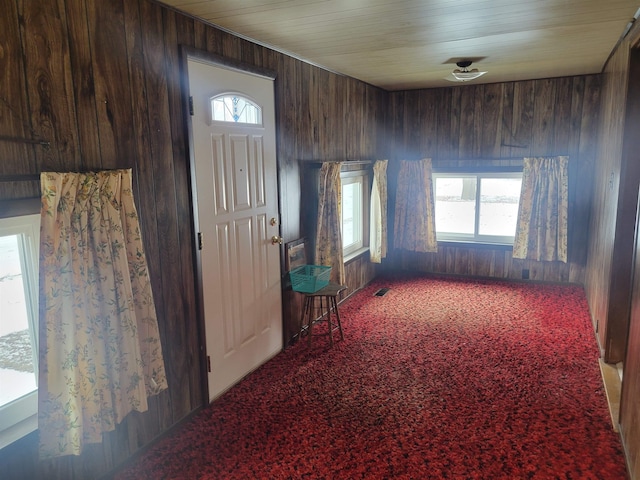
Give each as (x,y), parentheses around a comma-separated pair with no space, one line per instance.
(463,74)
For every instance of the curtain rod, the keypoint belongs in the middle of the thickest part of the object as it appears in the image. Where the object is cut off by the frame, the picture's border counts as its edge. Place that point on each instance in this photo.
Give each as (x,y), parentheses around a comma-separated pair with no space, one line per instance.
(342,162)
(44,143)
(488,159)
(469,159)
(35,177)
(27,177)
(441,161)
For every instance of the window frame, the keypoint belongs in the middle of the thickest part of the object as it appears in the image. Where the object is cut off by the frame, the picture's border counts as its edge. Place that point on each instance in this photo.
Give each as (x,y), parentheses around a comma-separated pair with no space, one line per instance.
(20,416)
(480,173)
(360,176)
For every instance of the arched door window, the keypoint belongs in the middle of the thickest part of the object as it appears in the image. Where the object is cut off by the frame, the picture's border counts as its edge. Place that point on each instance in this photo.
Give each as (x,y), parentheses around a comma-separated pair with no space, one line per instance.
(235,108)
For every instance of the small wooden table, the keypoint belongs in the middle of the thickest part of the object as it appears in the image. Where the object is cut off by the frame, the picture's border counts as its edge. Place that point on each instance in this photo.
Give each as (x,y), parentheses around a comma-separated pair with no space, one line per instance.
(328,303)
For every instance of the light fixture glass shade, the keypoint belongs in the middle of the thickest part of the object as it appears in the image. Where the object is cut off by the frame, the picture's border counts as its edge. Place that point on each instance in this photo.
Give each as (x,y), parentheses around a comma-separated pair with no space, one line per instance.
(465,75)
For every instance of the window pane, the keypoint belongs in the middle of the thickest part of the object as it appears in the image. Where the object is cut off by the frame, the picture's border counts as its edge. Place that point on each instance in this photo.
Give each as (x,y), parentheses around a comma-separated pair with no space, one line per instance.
(351,213)
(495,217)
(455,204)
(499,199)
(17,372)
(354,212)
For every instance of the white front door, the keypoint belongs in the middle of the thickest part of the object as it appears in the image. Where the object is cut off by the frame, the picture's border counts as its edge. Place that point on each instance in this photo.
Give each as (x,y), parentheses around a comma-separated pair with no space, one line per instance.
(237,216)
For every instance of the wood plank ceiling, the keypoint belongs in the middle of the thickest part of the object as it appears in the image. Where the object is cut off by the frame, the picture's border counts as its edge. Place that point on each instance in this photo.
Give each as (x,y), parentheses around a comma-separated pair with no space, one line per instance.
(408,44)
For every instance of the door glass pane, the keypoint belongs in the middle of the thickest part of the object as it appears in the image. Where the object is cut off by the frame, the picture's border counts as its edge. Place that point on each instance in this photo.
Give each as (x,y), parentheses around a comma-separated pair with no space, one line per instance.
(499,198)
(235,109)
(17,372)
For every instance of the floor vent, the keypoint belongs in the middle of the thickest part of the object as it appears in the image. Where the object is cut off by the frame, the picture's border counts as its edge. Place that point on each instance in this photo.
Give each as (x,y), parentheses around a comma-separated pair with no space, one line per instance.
(381,292)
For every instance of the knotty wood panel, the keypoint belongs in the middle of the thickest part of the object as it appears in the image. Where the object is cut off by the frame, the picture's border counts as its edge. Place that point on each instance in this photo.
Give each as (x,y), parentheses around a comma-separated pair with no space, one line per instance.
(518,137)
(544,108)
(102,82)
(358,273)
(83,84)
(617,320)
(164,185)
(110,76)
(606,194)
(177,30)
(14,118)
(491,126)
(470,129)
(449,120)
(497,125)
(49,83)
(623,321)
(629,401)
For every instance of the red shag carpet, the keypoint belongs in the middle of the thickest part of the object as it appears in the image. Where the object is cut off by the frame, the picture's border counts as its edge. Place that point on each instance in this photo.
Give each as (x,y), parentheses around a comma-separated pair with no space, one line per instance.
(437,379)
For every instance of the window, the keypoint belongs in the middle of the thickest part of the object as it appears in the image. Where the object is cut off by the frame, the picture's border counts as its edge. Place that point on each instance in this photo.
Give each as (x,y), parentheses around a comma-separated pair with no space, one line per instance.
(235,108)
(19,240)
(477,207)
(355,211)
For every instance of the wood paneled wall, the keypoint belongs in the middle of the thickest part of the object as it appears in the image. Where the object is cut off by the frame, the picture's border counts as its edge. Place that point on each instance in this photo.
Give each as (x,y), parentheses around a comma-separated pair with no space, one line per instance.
(630,395)
(610,247)
(497,125)
(100,81)
(613,280)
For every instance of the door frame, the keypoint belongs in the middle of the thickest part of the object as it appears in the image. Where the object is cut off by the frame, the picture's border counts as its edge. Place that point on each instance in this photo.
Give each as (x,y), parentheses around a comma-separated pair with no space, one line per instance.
(186,53)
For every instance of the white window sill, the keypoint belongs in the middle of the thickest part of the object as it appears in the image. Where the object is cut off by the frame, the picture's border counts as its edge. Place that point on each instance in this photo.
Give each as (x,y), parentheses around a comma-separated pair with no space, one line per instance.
(18,419)
(355,254)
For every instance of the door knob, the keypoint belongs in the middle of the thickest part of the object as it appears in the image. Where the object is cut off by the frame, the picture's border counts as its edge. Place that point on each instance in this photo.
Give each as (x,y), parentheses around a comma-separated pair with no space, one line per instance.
(276,240)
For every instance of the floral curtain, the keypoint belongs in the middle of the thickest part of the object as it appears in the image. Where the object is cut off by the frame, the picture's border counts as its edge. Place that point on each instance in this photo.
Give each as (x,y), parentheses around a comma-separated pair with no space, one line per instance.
(415,225)
(328,244)
(378,213)
(100,352)
(541,232)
